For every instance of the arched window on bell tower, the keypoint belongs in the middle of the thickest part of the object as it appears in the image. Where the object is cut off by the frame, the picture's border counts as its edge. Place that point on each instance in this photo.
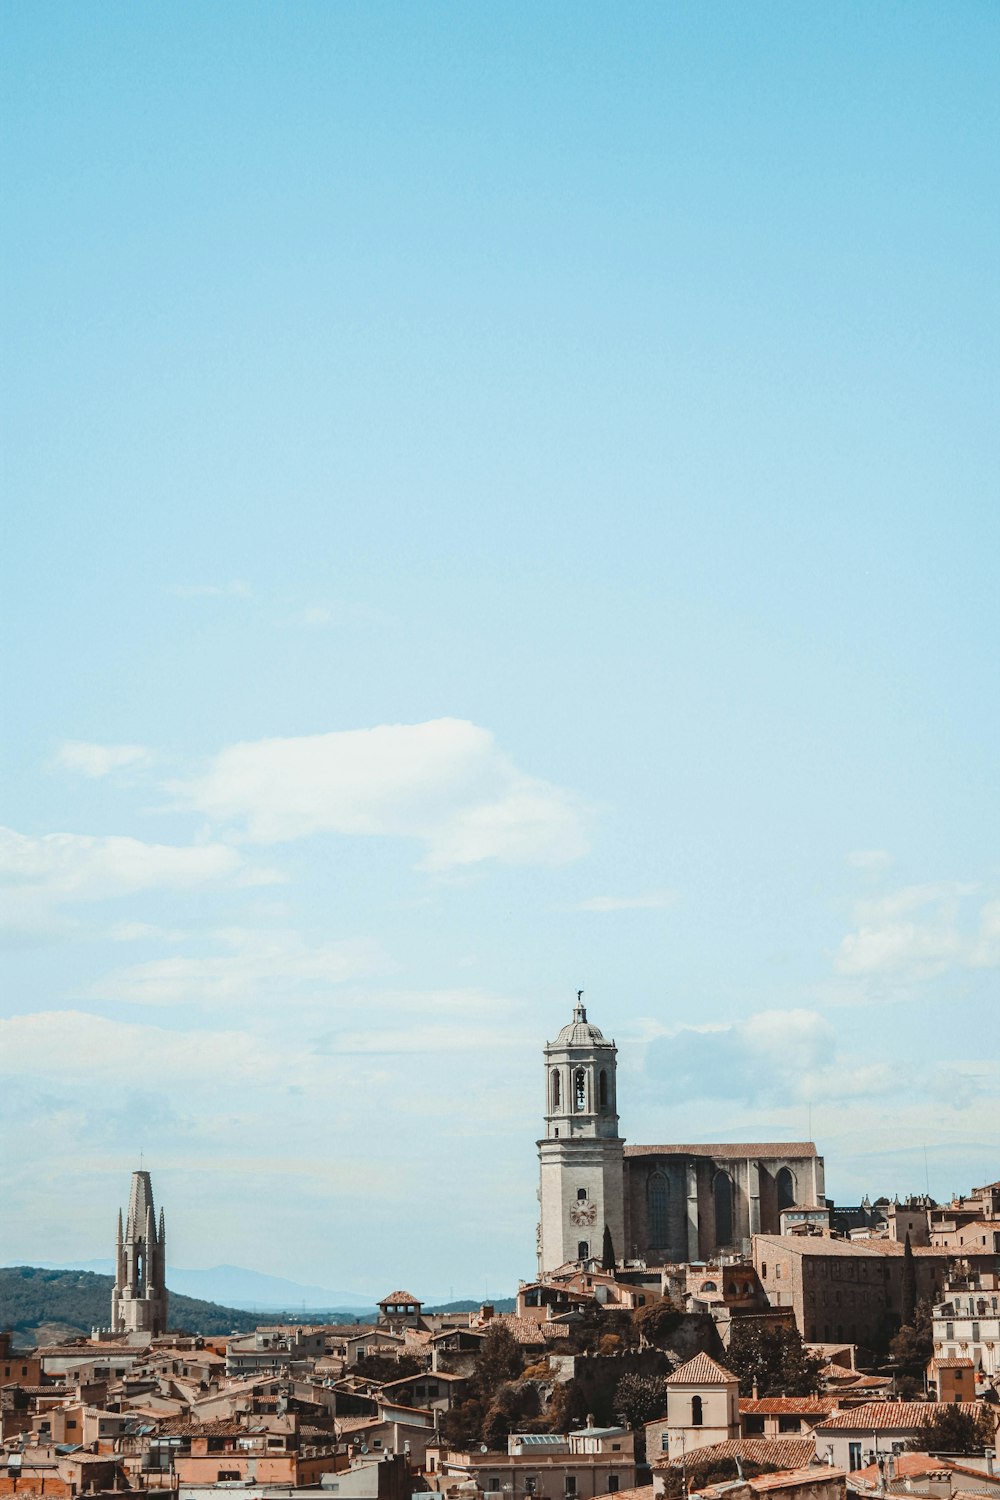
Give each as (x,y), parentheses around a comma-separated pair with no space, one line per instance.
(580,1090)
(556,1089)
(602,1091)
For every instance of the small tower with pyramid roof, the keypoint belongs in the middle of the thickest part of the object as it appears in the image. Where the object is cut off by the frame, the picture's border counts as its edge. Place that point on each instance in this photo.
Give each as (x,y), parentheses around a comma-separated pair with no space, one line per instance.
(139,1299)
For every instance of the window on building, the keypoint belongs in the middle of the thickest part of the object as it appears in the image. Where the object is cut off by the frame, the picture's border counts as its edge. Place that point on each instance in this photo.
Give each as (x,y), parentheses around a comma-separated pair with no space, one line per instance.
(656,1209)
(664,1441)
(854,1455)
(602,1094)
(785,1183)
(570,1484)
(556,1088)
(580,1086)
(612,1483)
(583,1250)
(581,1195)
(697,1416)
(789,1424)
(753,1426)
(723,1194)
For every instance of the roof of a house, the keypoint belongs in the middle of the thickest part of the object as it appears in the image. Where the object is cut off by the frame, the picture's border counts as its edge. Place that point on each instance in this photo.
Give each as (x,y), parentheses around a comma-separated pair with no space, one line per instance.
(901,1416)
(400,1297)
(770,1406)
(786,1478)
(730,1150)
(639,1492)
(780,1453)
(953,1364)
(702,1370)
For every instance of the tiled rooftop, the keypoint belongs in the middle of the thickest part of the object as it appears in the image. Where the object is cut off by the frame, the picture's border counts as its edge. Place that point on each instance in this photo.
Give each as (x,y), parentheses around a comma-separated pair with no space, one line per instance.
(702,1370)
(730,1151)
(781,1453)
(772,1406)
(884,1416)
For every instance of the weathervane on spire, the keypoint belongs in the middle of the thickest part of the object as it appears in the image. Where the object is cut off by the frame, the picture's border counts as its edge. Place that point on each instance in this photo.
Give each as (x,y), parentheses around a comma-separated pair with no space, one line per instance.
(580,1013)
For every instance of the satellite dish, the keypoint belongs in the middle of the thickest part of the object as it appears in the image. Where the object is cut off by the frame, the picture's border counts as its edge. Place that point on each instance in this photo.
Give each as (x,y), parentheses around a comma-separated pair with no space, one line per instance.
(484,1447)
(364,1447)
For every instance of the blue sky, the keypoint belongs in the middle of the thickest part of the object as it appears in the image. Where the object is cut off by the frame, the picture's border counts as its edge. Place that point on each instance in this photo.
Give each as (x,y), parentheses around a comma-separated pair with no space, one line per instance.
(498,500)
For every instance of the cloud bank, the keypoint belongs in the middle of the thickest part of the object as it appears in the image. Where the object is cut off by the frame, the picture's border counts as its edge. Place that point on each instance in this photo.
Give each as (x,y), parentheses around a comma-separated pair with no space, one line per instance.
(444,783)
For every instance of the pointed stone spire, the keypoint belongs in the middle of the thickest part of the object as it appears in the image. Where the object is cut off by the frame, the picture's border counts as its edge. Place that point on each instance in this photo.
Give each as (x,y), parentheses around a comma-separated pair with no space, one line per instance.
(120,1237)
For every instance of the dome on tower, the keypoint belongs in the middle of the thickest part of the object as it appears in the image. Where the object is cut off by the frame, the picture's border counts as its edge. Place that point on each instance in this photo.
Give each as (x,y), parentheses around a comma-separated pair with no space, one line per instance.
(580,1032)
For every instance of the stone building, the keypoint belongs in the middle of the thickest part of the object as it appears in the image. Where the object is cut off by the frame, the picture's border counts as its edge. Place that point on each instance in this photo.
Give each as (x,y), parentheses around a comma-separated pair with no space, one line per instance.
(850,1291)
(139,1298)
(662,1203)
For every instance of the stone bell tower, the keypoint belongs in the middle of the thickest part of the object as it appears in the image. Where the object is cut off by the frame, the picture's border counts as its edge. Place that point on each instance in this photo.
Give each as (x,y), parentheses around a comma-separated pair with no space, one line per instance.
(139,1299)
(581,1166)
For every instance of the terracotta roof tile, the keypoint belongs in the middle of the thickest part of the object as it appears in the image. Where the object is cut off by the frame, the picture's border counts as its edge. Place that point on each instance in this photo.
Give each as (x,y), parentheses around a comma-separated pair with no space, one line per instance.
(808,1473)
(729,1151)
(781,1453)
(639,1492)
(883,1416)
(702,1370)
(777,1405)
(400,1297)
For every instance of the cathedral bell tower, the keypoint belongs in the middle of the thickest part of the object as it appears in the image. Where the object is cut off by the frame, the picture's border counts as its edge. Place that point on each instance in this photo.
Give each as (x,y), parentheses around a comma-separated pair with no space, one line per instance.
(139,1298)
(581,1169)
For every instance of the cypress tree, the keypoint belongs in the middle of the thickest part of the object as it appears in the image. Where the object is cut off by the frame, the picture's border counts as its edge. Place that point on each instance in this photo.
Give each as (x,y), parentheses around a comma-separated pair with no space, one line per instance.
(608,1253)
(908,1286)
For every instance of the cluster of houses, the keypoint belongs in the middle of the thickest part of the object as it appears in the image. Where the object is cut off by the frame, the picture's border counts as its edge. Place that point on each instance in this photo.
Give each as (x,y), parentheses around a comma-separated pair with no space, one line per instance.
(296,1412)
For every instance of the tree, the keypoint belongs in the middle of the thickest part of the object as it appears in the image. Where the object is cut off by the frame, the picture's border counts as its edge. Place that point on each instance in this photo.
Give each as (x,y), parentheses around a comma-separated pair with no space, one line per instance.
(908,1284)
(567,1407)
(608,1253)
(499,1361)
(384,1367)
(952,1430)
(656,1322)
(913,1345)
(638,1399)
(463,1425)
(773,1359)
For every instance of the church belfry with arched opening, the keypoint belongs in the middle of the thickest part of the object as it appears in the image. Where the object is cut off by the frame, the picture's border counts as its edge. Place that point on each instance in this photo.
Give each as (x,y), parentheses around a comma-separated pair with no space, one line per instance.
(661,1203)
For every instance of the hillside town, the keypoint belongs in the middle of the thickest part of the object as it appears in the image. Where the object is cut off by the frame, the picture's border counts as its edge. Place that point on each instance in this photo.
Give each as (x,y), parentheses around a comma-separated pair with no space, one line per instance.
(703,1320)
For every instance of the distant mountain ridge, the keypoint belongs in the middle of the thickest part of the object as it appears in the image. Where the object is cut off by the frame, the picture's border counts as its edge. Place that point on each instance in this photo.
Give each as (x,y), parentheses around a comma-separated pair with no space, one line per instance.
(45,1304)
(236,1286)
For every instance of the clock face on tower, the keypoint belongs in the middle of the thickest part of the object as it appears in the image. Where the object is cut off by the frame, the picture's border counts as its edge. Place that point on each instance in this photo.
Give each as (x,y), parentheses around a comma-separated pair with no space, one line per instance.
(583,1214)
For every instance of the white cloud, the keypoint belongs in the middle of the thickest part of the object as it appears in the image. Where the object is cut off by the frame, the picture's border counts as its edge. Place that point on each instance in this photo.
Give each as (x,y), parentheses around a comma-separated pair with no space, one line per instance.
(77,867)
(773,1057)
(921,931)
(71,1045)
(653,901)
(444,783)
(277,965)
(98,760)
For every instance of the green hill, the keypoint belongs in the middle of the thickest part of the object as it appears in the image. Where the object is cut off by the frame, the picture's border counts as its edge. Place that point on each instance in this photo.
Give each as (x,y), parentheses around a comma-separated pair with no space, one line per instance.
(40,1306)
